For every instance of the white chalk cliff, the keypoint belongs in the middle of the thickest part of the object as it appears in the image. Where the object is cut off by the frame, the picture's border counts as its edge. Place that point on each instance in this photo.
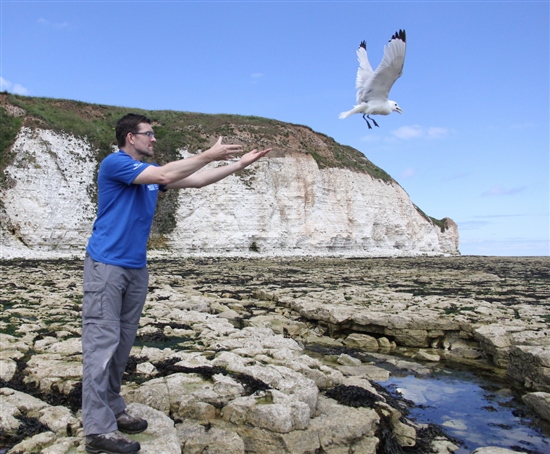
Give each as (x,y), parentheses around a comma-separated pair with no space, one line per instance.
(288,206)
(282,205)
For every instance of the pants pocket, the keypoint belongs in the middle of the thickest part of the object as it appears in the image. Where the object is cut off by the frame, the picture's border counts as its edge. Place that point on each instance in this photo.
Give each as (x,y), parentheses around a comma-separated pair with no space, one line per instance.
(92,301)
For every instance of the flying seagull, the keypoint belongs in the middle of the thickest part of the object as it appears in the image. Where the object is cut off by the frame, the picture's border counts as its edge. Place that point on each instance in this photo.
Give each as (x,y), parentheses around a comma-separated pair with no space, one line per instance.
(373,87)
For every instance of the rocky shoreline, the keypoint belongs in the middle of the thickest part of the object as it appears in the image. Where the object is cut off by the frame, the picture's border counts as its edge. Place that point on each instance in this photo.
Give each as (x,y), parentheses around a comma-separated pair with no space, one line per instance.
(272,355)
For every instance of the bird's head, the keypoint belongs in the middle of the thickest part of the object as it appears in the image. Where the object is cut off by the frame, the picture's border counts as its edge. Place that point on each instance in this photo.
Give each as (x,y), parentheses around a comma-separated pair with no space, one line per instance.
(395,107)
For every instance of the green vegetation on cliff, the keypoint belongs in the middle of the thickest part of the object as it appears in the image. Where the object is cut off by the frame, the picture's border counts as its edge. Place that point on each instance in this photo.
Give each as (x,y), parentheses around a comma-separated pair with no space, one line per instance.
(8,132)
(176,130)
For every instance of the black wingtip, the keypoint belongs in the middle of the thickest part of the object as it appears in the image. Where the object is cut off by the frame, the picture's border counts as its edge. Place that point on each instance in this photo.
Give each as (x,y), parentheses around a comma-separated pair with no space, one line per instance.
(400,35)
(363,45)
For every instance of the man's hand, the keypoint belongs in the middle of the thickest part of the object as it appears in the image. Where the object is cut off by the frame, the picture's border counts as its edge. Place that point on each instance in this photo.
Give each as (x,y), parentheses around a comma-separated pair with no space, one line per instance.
(223,152)
(209,176)
(252,156)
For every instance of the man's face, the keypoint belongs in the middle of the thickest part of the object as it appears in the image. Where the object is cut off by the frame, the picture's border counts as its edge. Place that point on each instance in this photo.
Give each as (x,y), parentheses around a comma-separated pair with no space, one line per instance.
(143,140)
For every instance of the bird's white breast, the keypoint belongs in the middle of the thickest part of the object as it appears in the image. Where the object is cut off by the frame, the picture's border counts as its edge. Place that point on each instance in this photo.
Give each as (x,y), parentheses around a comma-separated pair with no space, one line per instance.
(377,107)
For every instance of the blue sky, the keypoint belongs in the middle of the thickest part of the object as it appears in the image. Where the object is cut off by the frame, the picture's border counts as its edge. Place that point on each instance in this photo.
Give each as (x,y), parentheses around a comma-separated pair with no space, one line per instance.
(472,144)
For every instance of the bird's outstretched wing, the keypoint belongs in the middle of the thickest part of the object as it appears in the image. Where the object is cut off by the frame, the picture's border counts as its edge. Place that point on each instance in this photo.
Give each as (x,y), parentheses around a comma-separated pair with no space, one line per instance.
(365,71)
(379,84)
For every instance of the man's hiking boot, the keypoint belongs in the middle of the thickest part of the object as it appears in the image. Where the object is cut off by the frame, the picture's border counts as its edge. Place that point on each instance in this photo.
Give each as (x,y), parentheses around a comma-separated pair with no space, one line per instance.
(111,443)
(130,424)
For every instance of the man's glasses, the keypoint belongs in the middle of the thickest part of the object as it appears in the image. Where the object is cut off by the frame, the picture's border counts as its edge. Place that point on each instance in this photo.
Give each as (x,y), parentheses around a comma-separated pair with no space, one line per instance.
(149,134)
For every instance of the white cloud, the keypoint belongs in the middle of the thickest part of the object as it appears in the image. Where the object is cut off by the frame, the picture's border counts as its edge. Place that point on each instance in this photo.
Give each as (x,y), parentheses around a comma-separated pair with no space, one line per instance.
(421,132)
(435,132)
(408,132)
(18,89)
(408,173)
(4,84)
(496,191)
(256,76)
(371,138)
(47,23)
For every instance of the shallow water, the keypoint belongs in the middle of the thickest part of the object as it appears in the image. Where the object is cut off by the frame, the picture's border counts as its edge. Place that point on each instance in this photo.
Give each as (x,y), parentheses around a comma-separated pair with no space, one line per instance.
(472,409)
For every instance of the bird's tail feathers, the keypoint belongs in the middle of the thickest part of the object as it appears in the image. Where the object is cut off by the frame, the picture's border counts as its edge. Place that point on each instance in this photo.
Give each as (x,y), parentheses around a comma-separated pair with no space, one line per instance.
(345,114)
(356,109)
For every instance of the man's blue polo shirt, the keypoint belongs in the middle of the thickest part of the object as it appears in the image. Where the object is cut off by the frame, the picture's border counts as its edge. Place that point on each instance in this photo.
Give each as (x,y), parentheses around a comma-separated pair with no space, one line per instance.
(124,213)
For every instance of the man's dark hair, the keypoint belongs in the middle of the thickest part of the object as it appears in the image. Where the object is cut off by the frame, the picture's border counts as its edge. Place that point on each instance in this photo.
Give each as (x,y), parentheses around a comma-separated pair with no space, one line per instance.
(128,123)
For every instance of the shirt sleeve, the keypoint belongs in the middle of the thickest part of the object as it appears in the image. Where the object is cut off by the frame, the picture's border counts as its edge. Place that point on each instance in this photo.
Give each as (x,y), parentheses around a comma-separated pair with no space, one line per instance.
(123,168)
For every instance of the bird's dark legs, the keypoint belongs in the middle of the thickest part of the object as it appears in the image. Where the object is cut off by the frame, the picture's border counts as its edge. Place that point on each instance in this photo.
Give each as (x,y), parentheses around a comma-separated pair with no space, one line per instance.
(368,124)
(365,116)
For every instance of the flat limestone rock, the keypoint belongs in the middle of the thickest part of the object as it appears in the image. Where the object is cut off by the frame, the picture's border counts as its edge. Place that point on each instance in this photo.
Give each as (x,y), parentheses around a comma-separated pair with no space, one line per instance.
(252,381)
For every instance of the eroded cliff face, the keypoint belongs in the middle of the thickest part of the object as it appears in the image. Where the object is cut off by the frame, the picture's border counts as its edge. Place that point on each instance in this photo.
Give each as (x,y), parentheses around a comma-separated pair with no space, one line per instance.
(287,206)
(282,205)
(47,202)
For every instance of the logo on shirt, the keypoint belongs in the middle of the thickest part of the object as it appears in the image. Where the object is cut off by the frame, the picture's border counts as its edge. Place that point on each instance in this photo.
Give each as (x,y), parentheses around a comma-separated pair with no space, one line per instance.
(137,165)
(153,187)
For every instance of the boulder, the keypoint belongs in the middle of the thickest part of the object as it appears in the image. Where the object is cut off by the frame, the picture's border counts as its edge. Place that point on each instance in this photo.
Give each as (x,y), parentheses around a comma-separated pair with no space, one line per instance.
(539,402)
(362,342)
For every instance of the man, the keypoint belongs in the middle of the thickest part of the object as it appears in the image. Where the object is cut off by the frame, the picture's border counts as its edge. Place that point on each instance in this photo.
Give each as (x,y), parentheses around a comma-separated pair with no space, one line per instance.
(115,271)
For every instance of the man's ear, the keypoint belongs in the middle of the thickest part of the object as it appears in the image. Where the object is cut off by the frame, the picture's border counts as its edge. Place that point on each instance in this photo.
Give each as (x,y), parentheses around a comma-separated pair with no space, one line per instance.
(129,140)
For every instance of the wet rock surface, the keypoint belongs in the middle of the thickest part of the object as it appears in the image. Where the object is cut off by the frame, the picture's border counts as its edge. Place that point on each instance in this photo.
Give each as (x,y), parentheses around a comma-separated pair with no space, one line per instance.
(277,355)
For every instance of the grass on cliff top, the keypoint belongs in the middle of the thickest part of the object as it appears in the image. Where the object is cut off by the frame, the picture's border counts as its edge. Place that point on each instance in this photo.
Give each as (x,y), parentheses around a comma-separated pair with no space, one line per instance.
(8,132)
(176,130)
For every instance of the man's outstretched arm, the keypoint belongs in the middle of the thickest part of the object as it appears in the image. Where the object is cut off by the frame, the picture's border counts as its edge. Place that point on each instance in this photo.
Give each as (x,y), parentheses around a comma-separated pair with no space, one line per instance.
(178,170)
(209,176)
